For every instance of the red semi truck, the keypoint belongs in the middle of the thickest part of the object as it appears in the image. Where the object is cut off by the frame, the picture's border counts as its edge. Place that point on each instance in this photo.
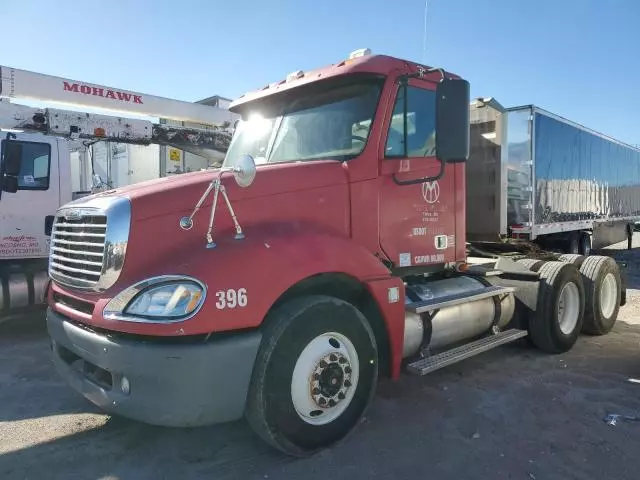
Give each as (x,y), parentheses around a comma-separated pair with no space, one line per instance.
(332,252)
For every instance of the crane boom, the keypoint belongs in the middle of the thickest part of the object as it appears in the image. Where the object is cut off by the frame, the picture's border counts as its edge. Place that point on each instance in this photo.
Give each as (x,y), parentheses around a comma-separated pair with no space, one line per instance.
(210,139)
(23,84)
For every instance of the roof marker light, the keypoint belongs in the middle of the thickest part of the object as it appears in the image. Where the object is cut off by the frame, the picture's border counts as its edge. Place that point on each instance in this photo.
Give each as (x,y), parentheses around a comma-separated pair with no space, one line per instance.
(295,75)
(361,52)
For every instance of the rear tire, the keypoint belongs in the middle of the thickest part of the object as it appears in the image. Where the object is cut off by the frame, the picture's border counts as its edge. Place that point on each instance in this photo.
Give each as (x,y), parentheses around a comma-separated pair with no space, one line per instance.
(603,291)
(571,258)
(531,263)
(560,309)
(315,374)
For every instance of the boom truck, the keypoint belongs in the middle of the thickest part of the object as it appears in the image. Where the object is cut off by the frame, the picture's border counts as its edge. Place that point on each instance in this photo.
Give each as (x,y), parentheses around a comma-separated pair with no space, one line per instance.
(328,250)
(41,142)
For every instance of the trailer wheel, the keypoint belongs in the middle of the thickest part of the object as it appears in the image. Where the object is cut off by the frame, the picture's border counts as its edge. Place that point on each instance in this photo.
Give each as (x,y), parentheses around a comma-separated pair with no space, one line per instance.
(315,374)
(585,244)
(572,259)
(531,263)
(603,291)
(572,244)
(560,308)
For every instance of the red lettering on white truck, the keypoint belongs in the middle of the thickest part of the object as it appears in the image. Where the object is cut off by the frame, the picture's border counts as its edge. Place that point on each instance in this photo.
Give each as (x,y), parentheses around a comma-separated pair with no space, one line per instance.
(101,92)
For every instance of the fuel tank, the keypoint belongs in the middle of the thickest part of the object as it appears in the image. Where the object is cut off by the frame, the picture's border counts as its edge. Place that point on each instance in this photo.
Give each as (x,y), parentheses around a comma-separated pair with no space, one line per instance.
(22,288)
(454,324)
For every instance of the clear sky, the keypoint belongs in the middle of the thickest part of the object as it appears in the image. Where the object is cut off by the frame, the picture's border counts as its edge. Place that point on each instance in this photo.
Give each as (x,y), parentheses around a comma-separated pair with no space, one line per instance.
(576,58)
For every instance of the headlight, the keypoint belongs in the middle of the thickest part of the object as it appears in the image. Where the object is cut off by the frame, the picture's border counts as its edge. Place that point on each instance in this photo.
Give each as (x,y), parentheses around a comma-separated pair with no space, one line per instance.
(160,299)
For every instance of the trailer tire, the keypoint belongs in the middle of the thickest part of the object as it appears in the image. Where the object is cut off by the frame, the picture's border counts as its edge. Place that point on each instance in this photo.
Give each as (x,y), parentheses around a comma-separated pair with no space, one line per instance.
(531,263)
(315,374)
(560,308)
(585,244)
(603,292)
(572,244)
(571,258)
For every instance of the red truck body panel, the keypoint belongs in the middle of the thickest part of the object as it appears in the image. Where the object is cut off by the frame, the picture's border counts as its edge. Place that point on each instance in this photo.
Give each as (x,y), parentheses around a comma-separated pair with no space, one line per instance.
(300,219)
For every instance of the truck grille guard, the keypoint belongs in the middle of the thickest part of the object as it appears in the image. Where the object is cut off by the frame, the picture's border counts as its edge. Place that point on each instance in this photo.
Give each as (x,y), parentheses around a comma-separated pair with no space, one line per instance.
(89,243)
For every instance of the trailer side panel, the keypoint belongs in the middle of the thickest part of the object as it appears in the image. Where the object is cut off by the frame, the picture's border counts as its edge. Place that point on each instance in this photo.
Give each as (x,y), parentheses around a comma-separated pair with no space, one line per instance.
(582,178)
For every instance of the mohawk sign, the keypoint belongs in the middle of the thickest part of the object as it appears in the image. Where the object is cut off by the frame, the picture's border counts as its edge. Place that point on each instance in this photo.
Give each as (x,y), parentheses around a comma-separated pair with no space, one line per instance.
(102,92)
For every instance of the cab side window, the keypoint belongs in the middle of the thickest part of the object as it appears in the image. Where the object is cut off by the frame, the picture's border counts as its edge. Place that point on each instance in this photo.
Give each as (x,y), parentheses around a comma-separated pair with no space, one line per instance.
(419,139)
(35,166)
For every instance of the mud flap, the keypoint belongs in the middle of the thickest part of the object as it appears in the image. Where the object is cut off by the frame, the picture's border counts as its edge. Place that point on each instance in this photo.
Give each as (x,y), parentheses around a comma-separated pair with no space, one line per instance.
(623,280)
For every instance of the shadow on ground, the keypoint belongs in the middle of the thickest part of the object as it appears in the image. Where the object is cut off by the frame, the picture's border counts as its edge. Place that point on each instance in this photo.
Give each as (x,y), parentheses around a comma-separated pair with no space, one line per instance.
(510,413)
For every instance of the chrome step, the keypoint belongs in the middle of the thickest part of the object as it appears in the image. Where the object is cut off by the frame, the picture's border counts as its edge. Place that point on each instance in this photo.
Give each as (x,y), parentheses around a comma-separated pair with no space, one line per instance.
(444,359)
(457,299)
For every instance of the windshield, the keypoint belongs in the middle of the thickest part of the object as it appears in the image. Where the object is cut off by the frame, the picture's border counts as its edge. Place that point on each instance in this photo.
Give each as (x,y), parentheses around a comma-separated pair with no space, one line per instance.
(331,124)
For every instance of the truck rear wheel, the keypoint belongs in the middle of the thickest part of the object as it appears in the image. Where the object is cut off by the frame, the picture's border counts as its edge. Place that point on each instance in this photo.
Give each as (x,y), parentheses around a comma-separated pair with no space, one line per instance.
(531,263)
(315,374)
(571,258)
(603,290)
(560,308)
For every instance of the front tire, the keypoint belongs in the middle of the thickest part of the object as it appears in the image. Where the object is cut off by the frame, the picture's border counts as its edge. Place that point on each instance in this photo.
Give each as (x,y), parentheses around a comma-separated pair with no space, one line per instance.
(315,374)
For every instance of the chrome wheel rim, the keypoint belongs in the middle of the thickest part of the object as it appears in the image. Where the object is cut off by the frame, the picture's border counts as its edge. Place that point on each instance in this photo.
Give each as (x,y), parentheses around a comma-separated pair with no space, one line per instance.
(568,308)
(608,295)
(325,378)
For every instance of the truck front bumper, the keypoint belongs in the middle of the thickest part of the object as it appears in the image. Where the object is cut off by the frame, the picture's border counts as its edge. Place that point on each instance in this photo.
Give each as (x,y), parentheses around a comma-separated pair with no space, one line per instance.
(168,384)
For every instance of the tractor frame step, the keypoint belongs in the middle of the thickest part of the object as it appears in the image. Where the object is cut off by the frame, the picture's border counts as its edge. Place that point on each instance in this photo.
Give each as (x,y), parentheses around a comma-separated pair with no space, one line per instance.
(449,357)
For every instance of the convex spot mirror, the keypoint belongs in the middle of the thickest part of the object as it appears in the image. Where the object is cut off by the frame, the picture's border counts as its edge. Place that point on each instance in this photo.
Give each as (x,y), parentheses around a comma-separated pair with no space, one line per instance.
(452,120)
(244,171)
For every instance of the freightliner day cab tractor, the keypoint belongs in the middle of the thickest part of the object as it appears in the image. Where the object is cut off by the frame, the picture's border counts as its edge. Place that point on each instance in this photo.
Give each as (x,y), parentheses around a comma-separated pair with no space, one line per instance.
(42,140)
(327,251)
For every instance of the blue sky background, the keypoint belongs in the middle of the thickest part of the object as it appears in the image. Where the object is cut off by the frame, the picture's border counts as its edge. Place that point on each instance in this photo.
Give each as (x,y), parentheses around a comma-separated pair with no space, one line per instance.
(576,58)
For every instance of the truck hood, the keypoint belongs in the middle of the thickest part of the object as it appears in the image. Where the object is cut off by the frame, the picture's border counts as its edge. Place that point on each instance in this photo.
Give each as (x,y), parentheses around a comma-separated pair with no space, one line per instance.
(179,194)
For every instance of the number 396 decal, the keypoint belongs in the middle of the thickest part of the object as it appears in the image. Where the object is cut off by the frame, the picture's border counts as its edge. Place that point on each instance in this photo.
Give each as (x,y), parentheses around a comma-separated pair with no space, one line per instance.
(231,298)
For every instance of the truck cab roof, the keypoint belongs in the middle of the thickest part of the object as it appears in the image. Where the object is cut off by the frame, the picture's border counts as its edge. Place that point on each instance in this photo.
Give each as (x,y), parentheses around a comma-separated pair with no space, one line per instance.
(360,61)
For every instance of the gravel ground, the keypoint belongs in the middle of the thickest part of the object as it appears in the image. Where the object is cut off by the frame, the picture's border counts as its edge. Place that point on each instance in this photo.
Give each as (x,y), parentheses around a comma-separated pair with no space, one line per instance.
(511,413)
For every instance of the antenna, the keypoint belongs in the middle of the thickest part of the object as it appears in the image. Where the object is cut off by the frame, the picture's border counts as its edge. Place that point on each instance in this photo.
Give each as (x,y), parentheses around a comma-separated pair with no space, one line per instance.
(424,34)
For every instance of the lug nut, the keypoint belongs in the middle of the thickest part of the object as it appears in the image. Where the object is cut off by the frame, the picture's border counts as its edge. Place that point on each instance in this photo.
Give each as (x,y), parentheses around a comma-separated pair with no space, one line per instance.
(341,396)
(315,391)
(333,357)
(332,403)
(342,360)
(322,401)
(347,370)
(323,364)
(347,383)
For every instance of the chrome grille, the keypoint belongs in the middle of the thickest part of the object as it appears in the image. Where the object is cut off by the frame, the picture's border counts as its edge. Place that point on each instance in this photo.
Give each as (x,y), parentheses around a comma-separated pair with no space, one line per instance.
(89,241)
(77,249)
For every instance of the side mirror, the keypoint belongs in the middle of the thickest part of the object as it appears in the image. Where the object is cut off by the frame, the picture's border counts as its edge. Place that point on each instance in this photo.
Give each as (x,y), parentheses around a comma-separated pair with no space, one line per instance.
(12,158)
(10,184)
(244,171)
(452,120)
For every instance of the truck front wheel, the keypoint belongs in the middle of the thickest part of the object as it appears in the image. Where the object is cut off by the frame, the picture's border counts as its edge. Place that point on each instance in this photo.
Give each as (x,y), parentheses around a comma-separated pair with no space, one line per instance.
(315,374)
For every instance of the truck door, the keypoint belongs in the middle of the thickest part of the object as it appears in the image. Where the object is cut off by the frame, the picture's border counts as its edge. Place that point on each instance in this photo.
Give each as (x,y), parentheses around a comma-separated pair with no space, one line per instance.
(27,215)
(417,224)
